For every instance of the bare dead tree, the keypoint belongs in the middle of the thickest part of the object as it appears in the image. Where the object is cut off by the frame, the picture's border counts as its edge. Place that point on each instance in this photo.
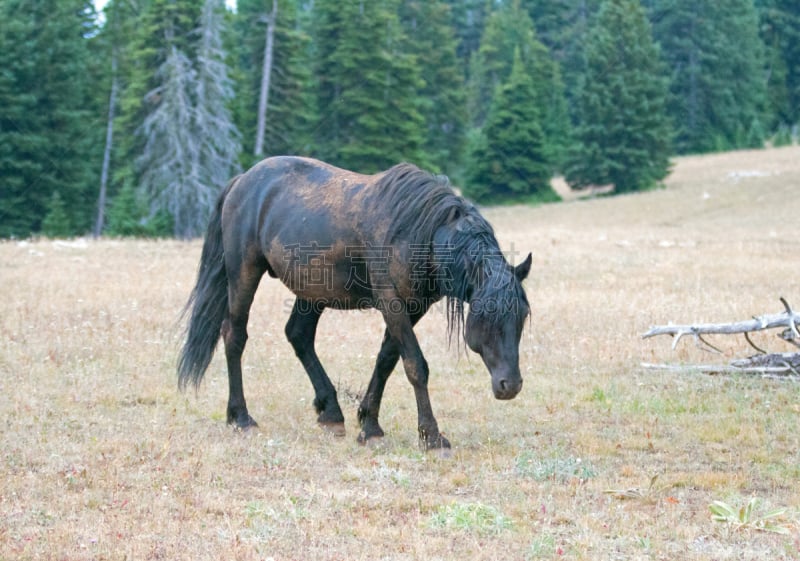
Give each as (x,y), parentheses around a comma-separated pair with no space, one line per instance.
(112,104)
(171,151)
(266,73)
(213,123)
(191,143)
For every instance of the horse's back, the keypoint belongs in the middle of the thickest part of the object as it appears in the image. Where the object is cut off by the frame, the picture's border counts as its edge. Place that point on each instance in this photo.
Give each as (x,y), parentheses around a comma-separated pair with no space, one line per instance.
(303,218)
(283,192)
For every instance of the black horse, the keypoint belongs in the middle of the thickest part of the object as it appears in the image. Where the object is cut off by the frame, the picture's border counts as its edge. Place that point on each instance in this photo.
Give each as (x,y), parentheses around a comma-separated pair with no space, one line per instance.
(397,241)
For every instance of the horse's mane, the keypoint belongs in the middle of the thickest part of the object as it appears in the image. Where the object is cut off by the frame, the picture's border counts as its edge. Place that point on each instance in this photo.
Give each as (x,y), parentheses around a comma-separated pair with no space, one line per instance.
(420,204)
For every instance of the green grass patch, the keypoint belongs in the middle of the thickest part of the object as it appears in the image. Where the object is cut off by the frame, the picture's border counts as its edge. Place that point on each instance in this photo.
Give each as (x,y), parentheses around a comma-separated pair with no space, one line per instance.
(528,464)
(543,546)
(470,517)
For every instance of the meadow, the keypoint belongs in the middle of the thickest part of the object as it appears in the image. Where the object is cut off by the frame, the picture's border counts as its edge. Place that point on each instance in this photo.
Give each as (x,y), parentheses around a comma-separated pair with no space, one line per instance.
(598,458)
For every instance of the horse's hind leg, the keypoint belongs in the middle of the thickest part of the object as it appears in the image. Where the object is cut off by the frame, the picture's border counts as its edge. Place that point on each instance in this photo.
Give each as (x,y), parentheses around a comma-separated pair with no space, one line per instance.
(243,279)
(301,330)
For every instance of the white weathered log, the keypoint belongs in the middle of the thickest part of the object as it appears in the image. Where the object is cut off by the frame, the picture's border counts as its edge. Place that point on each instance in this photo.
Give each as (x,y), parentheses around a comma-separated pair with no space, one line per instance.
(787,361)
(767,365)
(787,319)
(771,372)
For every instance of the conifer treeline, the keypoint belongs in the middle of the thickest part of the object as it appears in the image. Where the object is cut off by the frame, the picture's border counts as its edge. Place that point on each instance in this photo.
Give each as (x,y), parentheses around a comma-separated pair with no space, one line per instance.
(498,94)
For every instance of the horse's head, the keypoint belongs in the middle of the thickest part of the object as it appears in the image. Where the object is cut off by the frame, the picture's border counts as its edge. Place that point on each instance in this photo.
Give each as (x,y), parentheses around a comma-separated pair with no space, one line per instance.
(497,314)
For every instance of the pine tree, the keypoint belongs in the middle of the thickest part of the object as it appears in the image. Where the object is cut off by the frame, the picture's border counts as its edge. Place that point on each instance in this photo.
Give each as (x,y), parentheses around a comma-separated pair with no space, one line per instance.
(47,137)
(469,19)
(510,160)
(22,131)
(562,26)
(56,223)
(508,29)
(624,134)
(367,87)
(127,215)
(715,58)
(432,41)
(552,18)
(780,31)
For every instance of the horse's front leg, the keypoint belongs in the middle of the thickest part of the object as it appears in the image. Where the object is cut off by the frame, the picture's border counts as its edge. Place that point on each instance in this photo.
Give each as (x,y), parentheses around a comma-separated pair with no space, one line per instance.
(401,329)
(370,406)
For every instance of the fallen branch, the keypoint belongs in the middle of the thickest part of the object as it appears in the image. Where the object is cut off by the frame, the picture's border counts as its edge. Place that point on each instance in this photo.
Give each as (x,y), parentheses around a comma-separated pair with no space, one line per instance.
(787,319)
(785,372)
(789,362)
(768,365)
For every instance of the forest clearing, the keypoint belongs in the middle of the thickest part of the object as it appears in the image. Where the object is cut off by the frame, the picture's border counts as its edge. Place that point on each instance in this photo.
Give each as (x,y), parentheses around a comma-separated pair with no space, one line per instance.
(596,458)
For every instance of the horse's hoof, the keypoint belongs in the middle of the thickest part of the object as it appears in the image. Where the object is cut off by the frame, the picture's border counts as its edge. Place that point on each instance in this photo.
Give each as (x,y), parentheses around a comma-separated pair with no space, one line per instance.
(336,429)
(442,453)
(243,425)
(374,440)
(439,446)
(246,427)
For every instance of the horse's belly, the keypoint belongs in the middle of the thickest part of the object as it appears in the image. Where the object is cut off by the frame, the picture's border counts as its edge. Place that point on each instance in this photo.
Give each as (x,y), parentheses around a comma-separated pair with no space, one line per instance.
(336,275)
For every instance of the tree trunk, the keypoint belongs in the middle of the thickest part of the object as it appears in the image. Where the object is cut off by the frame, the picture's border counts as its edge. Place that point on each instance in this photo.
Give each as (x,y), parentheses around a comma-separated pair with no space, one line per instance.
(266,72)
(112,102)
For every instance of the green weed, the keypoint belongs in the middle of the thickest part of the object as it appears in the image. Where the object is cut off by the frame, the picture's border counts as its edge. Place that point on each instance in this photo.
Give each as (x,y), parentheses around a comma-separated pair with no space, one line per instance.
(542,546)
(747,517)
(470,517)
(557,469)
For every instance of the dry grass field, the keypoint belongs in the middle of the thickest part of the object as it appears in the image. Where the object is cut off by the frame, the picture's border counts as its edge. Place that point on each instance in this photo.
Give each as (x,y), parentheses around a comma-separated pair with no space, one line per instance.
(597,459)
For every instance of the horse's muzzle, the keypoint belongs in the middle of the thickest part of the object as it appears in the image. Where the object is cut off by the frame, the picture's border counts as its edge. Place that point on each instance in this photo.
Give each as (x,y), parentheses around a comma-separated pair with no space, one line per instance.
(505,388)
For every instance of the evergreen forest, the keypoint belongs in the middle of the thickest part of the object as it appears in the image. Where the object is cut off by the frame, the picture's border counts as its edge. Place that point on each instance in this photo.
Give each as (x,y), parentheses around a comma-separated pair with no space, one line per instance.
(128,121)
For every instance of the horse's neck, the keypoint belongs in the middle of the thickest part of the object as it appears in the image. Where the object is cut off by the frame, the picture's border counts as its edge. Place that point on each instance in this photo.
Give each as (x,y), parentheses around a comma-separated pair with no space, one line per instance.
(492,275)
(471,275)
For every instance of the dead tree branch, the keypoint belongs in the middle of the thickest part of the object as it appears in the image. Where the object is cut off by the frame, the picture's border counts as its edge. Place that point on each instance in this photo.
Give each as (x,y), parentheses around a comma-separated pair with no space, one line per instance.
(787,319)
(768,365)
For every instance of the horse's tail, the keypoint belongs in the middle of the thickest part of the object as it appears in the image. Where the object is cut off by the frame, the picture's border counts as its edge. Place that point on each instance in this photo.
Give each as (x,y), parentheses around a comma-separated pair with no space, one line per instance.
(208,303)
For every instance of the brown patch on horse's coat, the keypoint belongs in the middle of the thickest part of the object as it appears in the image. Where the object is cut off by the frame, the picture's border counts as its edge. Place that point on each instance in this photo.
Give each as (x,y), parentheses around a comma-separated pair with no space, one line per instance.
(297,253)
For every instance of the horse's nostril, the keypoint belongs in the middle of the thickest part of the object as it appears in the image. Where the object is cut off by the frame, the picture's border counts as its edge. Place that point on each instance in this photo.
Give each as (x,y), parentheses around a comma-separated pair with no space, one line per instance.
(506,388)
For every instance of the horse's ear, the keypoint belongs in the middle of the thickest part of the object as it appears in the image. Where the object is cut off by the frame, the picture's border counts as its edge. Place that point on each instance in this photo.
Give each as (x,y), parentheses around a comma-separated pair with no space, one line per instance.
(455,214)
(521,271)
